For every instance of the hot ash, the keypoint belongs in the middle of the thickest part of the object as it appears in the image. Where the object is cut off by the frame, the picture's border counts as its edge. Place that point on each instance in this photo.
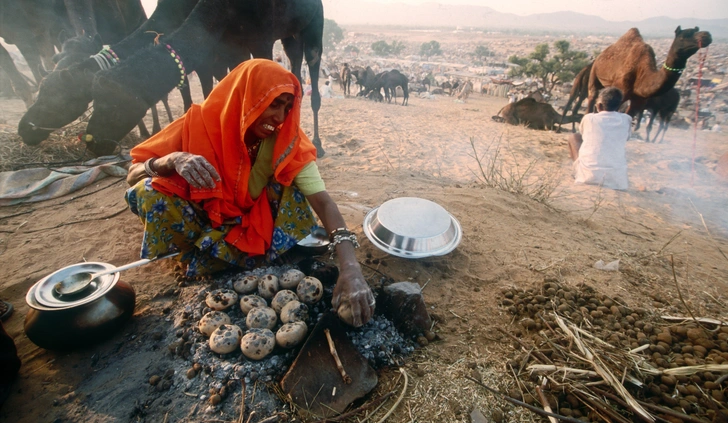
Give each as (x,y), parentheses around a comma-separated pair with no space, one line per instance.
(211,377)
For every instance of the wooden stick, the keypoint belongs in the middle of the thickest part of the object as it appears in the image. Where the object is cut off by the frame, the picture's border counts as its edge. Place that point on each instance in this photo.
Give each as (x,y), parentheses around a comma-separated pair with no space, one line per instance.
(271,419)
(332,348)
(358,410)
(536,353)
(657,408)
(396,403)
(545,403)
(601,407)
(679,293)
(242,402)
(523,404)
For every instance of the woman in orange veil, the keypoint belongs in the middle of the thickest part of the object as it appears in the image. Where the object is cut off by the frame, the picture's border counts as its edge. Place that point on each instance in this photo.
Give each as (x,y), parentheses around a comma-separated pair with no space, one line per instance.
(233,183)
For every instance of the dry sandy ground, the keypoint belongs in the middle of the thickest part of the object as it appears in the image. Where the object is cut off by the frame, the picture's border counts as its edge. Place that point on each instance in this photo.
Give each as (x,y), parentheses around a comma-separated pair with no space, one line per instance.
(376,152)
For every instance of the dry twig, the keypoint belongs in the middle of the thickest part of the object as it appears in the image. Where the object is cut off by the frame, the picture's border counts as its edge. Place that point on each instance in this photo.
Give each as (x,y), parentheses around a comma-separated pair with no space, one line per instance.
(332,348)
(396,403)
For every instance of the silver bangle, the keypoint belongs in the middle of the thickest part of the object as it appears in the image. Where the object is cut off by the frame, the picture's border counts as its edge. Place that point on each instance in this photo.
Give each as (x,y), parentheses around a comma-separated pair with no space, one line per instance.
(338,239)
(148,167)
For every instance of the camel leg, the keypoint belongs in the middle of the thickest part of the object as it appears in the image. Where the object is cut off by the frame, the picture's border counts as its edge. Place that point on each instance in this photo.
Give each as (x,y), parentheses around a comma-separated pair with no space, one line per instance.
(666,121)
(143,131)
(575,142)
(639,120)
(165,102)
(156,127)
(649,126)
(20,85)
(186,95)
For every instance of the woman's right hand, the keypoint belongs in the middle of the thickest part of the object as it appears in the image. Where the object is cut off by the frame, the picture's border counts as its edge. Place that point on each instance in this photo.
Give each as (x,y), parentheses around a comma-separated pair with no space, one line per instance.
(196,170)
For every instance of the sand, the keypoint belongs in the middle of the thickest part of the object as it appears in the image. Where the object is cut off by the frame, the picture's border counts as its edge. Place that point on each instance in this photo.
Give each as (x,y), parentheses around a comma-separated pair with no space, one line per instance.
(376,152)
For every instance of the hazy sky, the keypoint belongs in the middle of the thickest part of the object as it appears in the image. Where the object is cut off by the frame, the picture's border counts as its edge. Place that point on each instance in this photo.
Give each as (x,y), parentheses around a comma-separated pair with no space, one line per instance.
(613,10)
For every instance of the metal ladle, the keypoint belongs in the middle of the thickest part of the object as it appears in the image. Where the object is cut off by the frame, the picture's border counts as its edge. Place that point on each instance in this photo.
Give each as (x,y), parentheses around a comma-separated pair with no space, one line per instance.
(76,283)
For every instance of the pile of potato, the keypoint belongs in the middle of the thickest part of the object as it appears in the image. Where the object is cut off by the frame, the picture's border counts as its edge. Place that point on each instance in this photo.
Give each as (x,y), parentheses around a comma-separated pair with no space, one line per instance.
(265,301)
(626,328)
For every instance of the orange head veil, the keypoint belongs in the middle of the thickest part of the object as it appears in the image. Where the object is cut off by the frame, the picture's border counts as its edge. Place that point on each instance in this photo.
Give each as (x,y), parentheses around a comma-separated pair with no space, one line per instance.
(215,129)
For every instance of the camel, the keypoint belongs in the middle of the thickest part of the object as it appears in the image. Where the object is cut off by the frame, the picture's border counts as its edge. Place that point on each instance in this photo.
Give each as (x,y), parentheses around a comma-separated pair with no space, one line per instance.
(579,93)
(364,79)
(390,81)
(629,64)
(35,27)
(124,93)
(345,80)
(533,114)
(65,93)
(663,106)
(465,91)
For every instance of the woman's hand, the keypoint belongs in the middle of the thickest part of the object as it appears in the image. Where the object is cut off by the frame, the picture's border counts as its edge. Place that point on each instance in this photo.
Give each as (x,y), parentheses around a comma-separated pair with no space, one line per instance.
(196,170)
(352,288)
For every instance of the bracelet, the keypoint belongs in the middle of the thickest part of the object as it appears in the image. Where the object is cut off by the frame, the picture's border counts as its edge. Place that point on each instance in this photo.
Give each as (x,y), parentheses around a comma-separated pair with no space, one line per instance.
(338,239)
(148,167)
(338,231)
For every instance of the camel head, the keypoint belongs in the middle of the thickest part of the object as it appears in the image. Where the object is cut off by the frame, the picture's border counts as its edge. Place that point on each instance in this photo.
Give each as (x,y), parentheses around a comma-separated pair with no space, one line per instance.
(688,41)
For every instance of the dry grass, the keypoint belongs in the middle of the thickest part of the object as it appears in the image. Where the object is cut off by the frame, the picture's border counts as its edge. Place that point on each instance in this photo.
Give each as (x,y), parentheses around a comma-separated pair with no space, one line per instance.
(504,173)
(62,148)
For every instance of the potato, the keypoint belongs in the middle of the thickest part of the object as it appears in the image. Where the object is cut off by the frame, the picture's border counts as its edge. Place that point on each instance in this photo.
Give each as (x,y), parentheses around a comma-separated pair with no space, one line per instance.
(246,285)
(221,299)
(211,321)
(290,279)
(310,290)
(282,298)
(225,339)
(294,311)
(250,302)
(344,312)
(291,334)
(258,343)
(268,286)
(261,317)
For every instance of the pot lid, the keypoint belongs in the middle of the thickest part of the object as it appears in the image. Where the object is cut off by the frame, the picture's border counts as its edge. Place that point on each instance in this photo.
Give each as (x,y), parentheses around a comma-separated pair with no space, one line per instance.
(44,295)
(413,228)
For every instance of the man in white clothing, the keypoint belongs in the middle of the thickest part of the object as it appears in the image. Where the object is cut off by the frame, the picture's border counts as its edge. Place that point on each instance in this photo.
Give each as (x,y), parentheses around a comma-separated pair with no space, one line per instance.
(325,90)
(598,150)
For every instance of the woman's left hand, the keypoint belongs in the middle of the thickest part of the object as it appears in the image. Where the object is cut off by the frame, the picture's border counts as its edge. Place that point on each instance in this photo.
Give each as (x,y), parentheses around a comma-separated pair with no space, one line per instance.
(352,288)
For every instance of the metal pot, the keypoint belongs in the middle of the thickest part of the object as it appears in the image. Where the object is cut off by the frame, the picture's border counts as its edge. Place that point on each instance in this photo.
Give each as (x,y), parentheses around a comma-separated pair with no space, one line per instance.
(57,321)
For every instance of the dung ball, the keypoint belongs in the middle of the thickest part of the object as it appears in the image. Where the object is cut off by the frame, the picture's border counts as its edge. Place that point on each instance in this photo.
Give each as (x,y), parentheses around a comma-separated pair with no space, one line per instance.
(291,278)
(246,285)
(261,317)
(310,290)
(211,321)
(258,343)
(250,302)
(294,311)
(225,339)
(291,334)
(221,299)
(268,286)
(282,298)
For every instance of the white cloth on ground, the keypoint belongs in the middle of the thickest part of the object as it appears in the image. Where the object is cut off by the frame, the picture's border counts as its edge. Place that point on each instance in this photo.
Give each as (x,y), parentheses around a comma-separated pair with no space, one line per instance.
(602,158)
(38,184)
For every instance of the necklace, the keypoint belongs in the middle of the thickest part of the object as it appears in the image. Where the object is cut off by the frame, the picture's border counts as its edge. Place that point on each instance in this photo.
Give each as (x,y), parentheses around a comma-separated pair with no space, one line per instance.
(253,150)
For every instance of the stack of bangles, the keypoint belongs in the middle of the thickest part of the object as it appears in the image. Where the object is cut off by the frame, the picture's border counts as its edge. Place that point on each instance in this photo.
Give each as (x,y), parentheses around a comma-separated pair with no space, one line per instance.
(337,236)
(148,167)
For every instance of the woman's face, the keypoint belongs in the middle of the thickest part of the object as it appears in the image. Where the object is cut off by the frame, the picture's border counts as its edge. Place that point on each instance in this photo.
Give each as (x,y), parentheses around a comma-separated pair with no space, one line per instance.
(272,117)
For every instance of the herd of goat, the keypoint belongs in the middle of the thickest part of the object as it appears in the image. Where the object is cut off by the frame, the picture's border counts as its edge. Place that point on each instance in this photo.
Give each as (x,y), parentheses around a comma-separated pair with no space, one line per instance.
(125,63)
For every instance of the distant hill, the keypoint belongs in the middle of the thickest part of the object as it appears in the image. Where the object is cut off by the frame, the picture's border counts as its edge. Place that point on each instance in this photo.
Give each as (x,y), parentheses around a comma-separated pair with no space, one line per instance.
(465,16)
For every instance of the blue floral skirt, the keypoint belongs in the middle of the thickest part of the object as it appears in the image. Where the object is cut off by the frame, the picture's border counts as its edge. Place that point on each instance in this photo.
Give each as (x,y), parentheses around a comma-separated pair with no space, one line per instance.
(173,224)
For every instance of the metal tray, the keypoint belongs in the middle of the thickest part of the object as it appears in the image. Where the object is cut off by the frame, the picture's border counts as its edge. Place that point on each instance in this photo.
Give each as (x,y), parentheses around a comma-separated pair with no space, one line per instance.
(412,227)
